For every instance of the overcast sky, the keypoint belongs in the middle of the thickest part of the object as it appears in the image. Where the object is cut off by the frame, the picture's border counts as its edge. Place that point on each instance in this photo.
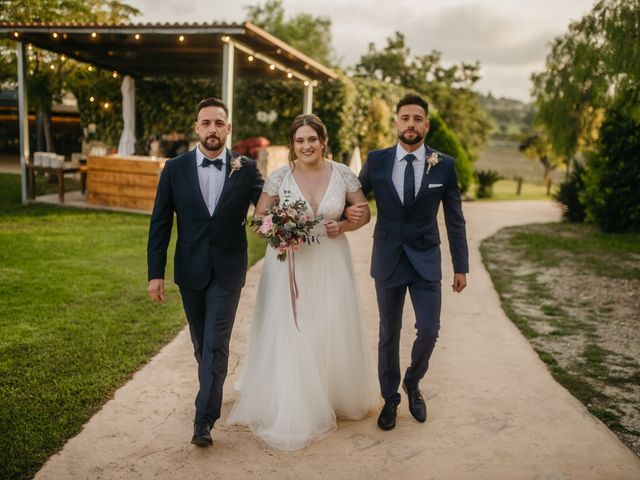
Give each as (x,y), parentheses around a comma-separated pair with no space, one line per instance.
(510,38)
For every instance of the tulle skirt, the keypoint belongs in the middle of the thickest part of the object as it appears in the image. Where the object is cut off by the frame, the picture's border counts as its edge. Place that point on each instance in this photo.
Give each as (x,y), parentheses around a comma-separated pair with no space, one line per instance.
(295,382)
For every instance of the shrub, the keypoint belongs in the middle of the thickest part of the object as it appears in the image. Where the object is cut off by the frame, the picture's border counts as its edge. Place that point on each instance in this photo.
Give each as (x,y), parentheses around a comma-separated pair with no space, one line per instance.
(568,195)
(611,195)
(486,179)
(444,140)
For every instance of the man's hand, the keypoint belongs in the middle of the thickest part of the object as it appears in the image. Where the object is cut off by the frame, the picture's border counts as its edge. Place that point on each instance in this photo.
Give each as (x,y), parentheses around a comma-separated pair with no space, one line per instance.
(156,289)
(355,212)
(459,282)
(333,228)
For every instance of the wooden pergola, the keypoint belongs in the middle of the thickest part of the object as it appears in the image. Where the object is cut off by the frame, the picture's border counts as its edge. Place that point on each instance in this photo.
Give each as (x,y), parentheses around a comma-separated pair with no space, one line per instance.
(142,50)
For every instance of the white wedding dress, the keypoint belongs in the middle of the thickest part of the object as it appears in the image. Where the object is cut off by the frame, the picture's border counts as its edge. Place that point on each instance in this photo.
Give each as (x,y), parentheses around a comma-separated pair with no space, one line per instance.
(295,382)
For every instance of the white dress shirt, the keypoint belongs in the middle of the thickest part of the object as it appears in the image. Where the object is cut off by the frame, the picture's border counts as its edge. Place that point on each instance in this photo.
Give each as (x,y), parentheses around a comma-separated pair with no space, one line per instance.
(210,178)
(399,165)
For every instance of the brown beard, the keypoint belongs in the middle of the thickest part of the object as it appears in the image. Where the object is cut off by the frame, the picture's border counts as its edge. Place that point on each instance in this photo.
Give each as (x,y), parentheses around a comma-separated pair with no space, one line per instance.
(411,141)
(206,143)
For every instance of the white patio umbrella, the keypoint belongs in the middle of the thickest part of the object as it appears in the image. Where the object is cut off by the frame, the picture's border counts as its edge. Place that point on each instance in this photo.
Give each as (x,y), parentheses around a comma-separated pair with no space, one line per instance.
(355,163)
(128,138)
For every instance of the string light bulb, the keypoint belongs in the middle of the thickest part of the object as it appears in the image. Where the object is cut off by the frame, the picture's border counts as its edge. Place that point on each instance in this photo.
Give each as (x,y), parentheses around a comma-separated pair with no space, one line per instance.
(106,105)
(16,34)
(306,83)
(250,58)
(52,67)
(137,36)
(272,67)
(94,34)
(63,58)
(181,38)
(92,99)
(55,35)
(90,68)
(289,75)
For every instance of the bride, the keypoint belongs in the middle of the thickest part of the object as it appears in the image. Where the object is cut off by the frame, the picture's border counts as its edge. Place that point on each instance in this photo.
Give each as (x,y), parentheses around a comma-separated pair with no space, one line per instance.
(296,382)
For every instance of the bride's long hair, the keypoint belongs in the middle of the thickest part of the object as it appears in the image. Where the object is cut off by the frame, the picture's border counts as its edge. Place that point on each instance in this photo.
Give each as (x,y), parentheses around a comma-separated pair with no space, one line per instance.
(309,120)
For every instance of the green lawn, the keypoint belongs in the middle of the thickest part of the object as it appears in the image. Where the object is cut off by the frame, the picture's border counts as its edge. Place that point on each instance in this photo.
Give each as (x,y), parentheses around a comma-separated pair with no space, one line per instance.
(75,320)
(506,190)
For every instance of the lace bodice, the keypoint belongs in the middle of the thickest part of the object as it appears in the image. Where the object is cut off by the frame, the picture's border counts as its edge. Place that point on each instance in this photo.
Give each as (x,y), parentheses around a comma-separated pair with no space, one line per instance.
(282,184)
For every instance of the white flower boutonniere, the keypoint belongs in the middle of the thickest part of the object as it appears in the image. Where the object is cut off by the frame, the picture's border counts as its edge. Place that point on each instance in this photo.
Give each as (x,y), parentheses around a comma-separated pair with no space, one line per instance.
(432,161)
(236,164)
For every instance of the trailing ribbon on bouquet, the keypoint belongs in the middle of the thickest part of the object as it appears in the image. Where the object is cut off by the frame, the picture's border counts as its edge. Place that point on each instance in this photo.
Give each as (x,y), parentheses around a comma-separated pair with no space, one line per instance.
(293,286)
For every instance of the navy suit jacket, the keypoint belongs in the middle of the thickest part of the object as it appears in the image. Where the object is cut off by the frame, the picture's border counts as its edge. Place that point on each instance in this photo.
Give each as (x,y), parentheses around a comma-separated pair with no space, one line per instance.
(415,230)
(206,244)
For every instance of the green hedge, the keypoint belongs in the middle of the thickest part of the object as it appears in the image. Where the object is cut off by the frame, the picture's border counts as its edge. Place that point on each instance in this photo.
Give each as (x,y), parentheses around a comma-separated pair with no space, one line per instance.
(357,112)
(611,196)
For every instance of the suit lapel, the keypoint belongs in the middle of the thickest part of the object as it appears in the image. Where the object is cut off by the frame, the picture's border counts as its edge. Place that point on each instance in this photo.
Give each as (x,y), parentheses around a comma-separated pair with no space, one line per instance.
(424,183)
(389,160)
(229,181)
(192,175)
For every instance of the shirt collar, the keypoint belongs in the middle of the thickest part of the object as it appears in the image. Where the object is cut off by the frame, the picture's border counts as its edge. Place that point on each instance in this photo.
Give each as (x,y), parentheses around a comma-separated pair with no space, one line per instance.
(420,153)
(201,156)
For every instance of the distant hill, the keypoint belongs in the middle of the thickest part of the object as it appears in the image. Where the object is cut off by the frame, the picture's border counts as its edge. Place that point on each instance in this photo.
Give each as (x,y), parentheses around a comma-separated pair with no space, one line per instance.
(510,117)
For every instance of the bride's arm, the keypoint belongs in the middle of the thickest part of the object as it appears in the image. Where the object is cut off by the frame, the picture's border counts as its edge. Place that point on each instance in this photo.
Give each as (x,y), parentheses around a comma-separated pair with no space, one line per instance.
(264,203)
(357,200)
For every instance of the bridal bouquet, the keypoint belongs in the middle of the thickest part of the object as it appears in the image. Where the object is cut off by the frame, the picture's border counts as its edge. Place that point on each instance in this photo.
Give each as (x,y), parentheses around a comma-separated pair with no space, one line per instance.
(287,226)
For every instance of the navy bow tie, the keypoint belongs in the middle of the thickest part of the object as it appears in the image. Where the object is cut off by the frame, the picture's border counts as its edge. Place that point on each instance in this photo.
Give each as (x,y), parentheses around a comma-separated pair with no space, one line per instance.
(216,163)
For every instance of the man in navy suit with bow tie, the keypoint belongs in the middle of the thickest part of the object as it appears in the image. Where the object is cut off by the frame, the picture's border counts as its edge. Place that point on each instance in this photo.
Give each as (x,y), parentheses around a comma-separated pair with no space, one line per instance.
(410,181)
(209,189)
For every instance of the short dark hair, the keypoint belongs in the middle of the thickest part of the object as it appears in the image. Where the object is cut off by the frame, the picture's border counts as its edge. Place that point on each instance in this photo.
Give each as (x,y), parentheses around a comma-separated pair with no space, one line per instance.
(413,99)
(211,102)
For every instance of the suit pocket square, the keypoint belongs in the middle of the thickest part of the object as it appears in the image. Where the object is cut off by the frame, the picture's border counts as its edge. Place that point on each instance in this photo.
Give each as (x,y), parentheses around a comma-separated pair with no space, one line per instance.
(434,185)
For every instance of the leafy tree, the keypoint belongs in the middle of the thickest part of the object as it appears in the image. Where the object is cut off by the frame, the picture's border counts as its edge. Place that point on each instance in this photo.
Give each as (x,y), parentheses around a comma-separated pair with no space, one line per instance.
(49,74)
(311,35)
(595,64)
(449,89)
(535,145)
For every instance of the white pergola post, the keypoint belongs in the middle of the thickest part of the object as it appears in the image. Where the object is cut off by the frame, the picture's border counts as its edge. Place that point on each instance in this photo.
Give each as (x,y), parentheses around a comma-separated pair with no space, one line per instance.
(307,105)
(23,117)
(228,57)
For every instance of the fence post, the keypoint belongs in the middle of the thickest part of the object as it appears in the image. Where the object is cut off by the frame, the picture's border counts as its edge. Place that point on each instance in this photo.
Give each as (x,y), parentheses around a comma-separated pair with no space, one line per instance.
(519,186)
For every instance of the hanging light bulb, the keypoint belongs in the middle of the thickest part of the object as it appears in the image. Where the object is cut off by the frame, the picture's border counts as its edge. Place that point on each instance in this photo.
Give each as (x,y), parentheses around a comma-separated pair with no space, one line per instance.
(289,75)
(94,34)
(137,36)
(90,68)
(115,75)
(250,58)
(181,38)
(55,35)
(92,99)
(272,67)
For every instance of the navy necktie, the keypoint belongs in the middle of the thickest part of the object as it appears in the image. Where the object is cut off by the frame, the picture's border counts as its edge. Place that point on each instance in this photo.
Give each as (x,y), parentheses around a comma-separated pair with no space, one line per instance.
(216,163)
(409,181)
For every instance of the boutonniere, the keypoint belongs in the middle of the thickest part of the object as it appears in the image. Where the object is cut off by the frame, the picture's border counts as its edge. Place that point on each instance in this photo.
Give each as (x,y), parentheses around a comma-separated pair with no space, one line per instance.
(236,164)
(432,161)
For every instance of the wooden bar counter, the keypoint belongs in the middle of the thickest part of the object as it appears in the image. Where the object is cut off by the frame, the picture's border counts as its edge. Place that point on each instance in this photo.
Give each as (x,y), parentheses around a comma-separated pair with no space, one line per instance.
(123,181)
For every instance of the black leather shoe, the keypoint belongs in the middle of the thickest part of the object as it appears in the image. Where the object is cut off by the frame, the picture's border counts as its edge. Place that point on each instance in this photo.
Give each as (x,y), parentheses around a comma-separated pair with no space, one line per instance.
(417,407)
(202,434)
(387,418)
